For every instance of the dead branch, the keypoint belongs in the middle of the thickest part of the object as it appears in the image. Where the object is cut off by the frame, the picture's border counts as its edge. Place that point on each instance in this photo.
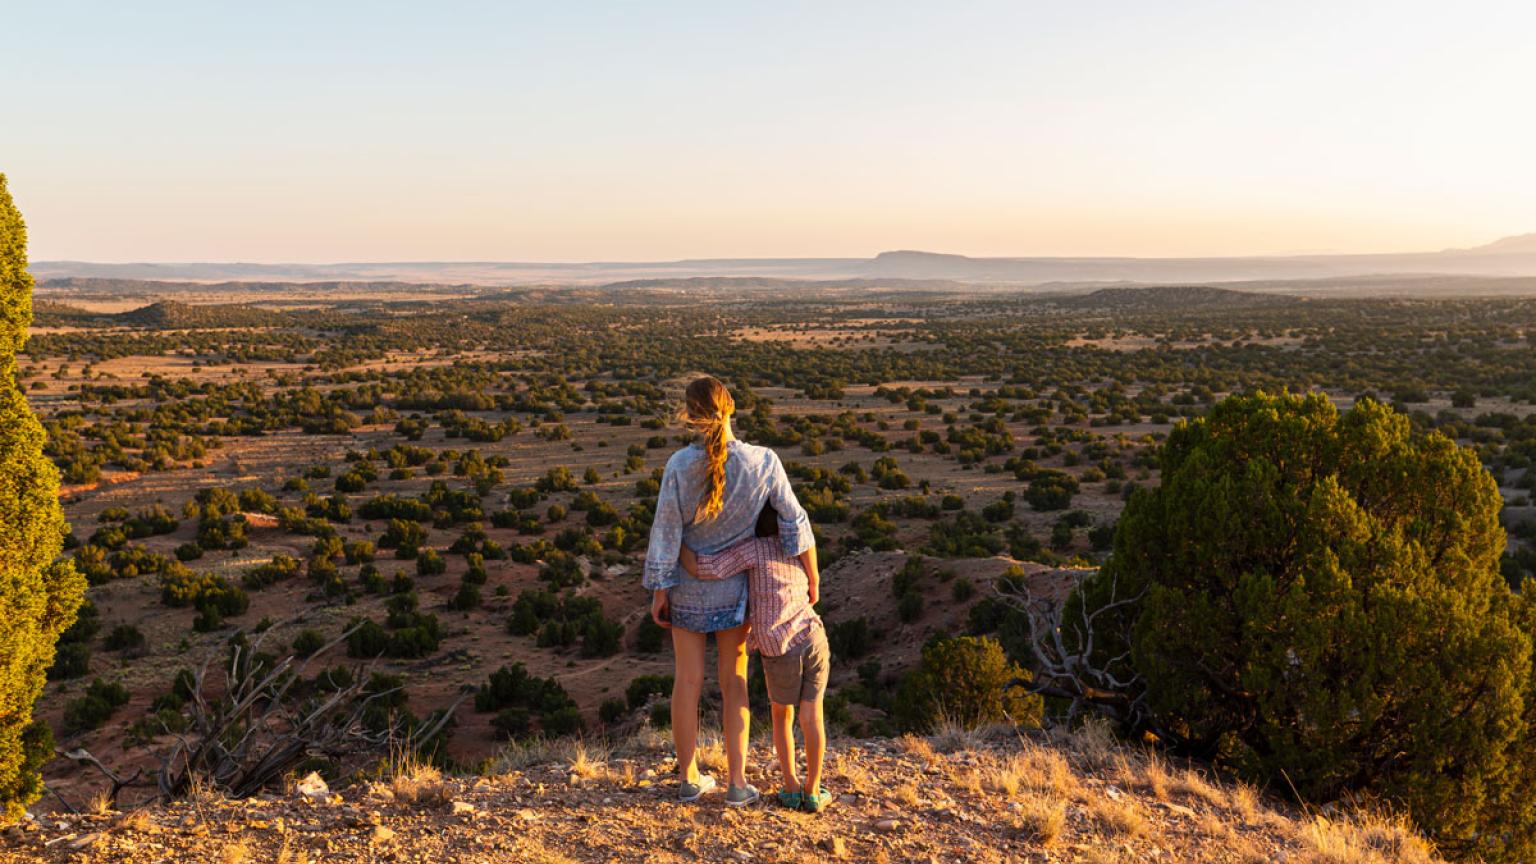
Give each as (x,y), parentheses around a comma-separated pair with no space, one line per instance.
(1065,663)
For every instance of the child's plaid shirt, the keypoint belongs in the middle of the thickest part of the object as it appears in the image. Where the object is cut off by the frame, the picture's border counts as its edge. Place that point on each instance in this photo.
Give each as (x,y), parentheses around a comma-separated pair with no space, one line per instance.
(778,592)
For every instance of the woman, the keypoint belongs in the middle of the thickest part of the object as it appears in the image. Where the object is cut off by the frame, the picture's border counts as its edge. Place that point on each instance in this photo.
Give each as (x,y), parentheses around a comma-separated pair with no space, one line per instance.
(711,494)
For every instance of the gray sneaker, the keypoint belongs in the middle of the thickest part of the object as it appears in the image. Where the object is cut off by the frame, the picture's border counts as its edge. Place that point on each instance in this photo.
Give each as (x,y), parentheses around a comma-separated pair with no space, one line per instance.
(687,792)
(741,796)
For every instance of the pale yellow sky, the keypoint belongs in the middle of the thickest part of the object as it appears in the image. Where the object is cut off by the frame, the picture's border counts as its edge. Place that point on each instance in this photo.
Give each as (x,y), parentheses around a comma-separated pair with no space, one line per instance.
(469,131)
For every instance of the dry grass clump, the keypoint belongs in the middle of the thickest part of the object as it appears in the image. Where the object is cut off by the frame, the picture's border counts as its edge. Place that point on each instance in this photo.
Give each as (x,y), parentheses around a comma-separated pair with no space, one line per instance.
(852,773)
(135,820)
(907,795)
(286,855)
(644,741)
(1192,785)
(1118,817)
(1006,776)
(1093,746)
(918,747)
(1044,770)
(418,783)
(1154,776)
(521,755)
(1031,768)
(1216,828)
(710,754)
(201,792)
(235,853)
(950,736)
(1041,820)
(1245,804)
(1365,838)
(101,804)
(588,760)
(541,854)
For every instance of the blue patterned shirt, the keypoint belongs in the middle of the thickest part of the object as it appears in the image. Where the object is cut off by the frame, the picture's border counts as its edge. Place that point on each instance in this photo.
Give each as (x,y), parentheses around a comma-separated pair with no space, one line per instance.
(754,477)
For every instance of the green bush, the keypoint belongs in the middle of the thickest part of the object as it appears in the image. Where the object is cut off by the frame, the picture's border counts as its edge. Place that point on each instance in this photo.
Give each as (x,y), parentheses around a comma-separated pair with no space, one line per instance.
(643,687)
(520,698)
(72,660)
(124,637)
(612,710)
(466,598)
(212,596)
(1051,490)
(308,642)
(650,637)
(964,680)
(963,590)
(430,563)
(850,639)
(563,721)
(94,707)
(513,722)
(1323,607)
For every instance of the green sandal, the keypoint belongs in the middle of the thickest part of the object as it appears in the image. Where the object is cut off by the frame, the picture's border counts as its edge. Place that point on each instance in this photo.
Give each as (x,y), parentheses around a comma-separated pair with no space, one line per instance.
(792,800)
(815,802)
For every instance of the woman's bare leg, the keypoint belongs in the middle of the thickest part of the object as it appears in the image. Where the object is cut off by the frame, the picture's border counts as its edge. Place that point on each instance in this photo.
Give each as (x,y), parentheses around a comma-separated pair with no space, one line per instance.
(687,684)
(736,715)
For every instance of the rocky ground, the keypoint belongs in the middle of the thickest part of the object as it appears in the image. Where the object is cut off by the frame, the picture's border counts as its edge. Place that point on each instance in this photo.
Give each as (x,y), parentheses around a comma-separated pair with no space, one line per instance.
(982,797)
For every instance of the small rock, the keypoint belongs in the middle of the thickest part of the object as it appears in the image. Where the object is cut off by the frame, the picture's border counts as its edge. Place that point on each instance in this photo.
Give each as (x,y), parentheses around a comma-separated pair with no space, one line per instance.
(835,847)
(381,835)
(741,855)
(888,825)
(85,841)
(463,808)
(313,786)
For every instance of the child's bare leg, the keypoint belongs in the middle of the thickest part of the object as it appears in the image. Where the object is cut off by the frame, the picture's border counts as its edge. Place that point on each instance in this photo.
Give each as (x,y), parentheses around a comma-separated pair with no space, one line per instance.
(814,730)
(784,745)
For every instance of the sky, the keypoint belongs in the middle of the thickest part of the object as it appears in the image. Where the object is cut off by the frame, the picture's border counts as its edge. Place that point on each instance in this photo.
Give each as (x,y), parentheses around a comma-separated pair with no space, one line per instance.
(379,131)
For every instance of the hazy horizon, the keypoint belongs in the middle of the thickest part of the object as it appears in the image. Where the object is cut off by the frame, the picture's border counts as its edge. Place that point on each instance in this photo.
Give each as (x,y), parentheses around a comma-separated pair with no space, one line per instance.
(175,132)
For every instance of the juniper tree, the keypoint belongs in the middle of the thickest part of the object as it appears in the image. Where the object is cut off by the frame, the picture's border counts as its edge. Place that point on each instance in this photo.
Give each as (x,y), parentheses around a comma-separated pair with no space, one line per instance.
(38,595)
(1321,607)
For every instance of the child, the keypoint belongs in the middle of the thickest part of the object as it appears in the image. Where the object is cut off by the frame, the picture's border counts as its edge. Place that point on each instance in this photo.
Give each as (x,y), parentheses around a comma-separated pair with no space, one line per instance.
(789,635)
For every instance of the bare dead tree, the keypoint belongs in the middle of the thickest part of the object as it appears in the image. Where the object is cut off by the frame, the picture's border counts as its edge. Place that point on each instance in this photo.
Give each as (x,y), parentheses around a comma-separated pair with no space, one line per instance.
(248,734)
(81,756)
(1065,649)
(253,733)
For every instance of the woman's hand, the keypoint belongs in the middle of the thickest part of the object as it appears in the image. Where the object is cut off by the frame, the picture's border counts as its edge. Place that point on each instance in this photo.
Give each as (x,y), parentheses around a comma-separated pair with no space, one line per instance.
(689,560)
(661,610)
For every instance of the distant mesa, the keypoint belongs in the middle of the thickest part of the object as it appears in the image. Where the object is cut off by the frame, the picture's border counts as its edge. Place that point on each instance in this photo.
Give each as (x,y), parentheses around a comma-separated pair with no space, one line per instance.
(164,315)
(170,314)
(1520,244)
(1509,257)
